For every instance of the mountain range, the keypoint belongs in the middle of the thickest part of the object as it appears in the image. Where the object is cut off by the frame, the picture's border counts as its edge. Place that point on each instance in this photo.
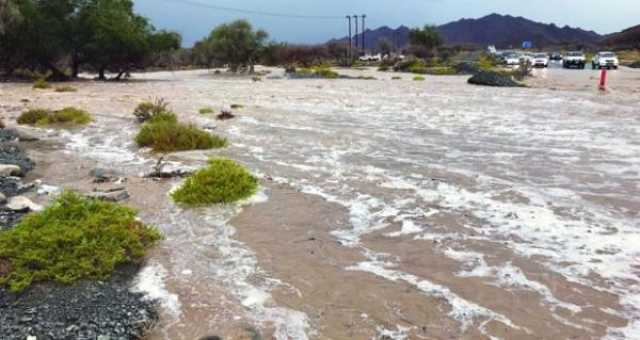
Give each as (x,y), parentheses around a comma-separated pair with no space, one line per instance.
(629,38)
(504,31)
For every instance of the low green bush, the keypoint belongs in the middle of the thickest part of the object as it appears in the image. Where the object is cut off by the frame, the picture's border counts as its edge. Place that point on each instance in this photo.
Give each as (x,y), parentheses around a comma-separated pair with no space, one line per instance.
(41,84)
(66,89)
(383,68)
(320,71)
(396,78)
(418,78)
(206,110)
(74,238)
(221,181)
(169,135)
(66,116)
(236,106)
(148,110)
(441,71)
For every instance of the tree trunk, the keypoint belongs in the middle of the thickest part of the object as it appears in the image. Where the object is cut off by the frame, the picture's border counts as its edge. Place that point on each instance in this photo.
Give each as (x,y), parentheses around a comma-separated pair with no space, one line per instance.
(101,74)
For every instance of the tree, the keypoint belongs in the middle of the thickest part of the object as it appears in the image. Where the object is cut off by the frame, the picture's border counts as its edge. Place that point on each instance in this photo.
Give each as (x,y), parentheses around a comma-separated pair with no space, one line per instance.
(424,42)
(119,39)
(385,47)
(236,44)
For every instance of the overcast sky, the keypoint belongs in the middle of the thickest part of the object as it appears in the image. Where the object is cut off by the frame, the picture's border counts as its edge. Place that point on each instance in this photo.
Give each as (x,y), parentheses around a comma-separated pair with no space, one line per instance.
(194,22)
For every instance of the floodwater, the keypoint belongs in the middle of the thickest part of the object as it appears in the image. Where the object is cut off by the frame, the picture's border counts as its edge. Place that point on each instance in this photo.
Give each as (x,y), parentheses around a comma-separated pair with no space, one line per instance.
(389,209)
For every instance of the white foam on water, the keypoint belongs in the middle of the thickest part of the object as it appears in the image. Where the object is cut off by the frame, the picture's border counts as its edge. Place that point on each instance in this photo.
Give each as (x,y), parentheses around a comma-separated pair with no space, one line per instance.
(400,333)
(465,312)
(150,281)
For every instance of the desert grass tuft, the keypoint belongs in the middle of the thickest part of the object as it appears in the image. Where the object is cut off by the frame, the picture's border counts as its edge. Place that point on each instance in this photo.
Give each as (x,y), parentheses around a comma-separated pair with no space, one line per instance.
(221,181)
(169,136)
(66,116)
(74,238)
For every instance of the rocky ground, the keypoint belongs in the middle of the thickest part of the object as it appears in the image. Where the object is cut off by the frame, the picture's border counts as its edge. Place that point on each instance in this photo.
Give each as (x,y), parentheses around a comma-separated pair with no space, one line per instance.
(85,310)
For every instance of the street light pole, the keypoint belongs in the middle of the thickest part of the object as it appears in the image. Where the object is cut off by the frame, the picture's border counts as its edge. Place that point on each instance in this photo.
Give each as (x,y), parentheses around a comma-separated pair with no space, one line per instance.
(350,41)
(356,36)
(364,47)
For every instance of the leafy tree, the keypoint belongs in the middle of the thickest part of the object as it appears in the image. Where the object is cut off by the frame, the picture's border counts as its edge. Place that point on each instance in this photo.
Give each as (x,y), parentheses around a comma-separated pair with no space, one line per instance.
(385,46)
(236,44)
(425,41)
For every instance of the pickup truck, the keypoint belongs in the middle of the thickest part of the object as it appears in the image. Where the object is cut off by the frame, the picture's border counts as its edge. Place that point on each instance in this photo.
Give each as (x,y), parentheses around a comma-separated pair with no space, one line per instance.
(574,59)
(605,59)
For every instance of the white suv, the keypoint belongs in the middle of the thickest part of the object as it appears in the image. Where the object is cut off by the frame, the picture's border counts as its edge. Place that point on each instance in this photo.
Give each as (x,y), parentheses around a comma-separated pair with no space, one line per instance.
(605,59)
(540,60)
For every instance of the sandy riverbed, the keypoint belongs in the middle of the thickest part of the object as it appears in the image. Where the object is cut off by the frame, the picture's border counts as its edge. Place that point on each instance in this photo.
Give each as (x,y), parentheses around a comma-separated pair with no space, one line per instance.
(421,210)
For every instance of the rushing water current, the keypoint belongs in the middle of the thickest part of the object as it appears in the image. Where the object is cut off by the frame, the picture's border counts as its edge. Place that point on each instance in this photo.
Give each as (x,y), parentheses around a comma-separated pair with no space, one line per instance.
(496,181)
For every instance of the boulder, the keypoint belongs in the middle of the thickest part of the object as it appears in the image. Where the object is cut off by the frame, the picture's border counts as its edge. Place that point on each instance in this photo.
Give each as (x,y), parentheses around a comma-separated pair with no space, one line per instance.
(7,170)
(3,198)
(13,154)
(102,175)
(487,78)
(21,203)
(110,195)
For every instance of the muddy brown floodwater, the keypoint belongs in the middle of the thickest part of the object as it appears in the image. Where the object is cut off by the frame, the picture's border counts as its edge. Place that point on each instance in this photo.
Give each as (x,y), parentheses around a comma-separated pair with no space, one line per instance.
(388,209)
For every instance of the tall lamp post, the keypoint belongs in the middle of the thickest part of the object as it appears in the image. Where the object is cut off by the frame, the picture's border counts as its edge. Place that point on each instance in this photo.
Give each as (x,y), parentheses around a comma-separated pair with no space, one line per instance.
(364,48)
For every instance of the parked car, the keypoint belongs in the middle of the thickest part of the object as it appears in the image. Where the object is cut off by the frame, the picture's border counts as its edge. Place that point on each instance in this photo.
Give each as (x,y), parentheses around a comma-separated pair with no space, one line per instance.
(511,58)
(605,59)
(540,60)
(556,56)
(575,59)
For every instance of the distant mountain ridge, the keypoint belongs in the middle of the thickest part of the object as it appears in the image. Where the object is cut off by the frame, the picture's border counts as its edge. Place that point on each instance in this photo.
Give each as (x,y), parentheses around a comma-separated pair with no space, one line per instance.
(629,38)
(504,31)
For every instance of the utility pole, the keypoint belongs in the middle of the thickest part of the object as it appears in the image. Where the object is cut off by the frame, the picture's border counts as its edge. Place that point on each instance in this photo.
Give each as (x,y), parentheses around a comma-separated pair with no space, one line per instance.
(350,42)
(356,36)
(364,47)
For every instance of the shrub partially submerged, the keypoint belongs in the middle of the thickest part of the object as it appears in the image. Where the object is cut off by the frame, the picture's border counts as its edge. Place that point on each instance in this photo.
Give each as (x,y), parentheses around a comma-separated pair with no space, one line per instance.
(41,84)
(74,238)
(66,89)
(418,78)
(166,135)
(147,110)
(323,72)
(68,116)
(221,181)
(206,110)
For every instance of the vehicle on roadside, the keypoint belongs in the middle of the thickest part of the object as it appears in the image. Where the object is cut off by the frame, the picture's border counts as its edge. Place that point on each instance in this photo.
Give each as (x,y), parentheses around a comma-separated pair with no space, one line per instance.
(556,56)
(605,60)
(511,58)
(540,60)
(574,59)
(371,57)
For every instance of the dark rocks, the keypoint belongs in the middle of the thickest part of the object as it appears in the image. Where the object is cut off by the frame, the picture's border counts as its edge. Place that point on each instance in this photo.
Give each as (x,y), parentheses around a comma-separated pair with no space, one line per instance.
(8,135)
(466,68)
(13,154)
(225,115)
(635,64)
(487,78)
(85,310)
(116,194)
(102,175)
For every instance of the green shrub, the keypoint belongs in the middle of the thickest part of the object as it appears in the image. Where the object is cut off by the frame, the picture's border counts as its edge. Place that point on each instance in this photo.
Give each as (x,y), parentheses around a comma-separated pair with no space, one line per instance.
(148,110)
(383,68)
(33,116)
(418,78)
(442,71)
(236,106)
(74,238)
(168,136)
(41,84)
(206,110)
(221,181)
(68,116)
(486,62)
(320,71)
(396,78)
(418,69)
(66,89)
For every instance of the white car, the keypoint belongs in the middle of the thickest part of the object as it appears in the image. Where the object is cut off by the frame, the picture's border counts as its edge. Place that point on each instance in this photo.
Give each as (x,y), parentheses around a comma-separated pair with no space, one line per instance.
(574,59)
(511,58)
(540,60)
(605,59)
